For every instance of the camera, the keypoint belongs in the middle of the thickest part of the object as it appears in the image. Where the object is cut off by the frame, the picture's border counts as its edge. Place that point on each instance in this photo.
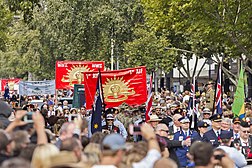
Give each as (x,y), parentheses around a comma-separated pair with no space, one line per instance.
(28,118)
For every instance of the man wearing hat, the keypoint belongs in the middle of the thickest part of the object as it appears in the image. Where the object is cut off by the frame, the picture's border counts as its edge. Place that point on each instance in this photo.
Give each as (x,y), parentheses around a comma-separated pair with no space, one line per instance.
(154,120)
(213,135)
(116,122)
(206,115)
(234,154)
(182,135)
(209,95)
(110,127)
(236,127)
(158,110)
(202,127)
(244,143)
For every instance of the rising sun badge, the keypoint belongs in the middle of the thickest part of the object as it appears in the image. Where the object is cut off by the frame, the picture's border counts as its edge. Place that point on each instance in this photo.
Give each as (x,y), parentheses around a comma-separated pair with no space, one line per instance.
(96,126)
(116,90)
(75,74)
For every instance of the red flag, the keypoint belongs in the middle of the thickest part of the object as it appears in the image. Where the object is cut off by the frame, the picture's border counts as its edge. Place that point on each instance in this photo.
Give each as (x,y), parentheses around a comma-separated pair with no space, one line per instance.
(69,73)
(149,102)
(126,85)
(11,83)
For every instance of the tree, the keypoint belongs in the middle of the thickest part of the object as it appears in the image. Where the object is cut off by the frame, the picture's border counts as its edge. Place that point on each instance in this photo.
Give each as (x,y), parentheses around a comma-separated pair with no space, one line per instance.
(5,19)
(207,28)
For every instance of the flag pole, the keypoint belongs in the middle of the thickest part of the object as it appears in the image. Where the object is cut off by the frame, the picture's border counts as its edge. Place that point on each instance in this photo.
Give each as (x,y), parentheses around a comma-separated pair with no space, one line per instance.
(104,105)
(215,89)
(193,114)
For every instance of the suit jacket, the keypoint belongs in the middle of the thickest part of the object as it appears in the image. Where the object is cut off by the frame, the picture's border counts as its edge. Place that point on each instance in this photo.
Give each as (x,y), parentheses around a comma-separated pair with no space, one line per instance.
(211,137)
(182,151)
(197,137)
(172,145)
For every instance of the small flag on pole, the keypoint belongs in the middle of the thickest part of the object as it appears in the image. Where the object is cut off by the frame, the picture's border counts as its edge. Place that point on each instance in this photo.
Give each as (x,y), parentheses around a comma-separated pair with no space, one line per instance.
(239,97)
(218,99)
(149,102)
(96,121)
(192,106)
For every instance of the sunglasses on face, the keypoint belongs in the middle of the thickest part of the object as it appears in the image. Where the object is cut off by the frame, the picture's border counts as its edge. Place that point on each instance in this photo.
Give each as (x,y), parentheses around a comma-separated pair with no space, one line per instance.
(110,120)
(167,131)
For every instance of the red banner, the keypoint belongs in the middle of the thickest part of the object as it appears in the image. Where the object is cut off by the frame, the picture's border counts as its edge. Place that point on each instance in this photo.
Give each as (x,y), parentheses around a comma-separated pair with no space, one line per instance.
(69,73)
(11,83)
(127,85)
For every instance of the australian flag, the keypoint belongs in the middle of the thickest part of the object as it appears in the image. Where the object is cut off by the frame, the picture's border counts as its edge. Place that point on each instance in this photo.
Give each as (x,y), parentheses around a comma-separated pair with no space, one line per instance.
(218,99)
(96,121)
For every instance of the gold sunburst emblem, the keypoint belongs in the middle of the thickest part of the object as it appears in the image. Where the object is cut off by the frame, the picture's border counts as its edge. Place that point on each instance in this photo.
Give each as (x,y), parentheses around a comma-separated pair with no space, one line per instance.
(11,85)
(75,74)
(116,90)
(96,126)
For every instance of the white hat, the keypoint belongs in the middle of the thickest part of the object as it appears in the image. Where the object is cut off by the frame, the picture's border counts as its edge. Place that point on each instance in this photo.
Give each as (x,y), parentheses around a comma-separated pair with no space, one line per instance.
(110,117)
(154,118)
(206,110)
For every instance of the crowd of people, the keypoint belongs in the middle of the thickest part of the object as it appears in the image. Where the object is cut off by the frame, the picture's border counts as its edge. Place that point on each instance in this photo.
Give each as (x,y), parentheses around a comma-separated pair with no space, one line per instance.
(54,134)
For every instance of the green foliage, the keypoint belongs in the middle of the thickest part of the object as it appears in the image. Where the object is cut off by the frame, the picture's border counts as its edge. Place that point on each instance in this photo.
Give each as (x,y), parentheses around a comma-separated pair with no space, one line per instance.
(148,50)
(25,7)
(5,19)
(205,27)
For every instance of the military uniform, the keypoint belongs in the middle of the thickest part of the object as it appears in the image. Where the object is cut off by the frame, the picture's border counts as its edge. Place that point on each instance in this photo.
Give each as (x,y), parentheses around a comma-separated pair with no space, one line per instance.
(209,98)
(181,136)
(213,136)
(199,137)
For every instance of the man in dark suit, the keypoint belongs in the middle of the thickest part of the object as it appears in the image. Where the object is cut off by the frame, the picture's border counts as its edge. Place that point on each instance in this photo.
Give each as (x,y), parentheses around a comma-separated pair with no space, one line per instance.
(162,130)
(213,135)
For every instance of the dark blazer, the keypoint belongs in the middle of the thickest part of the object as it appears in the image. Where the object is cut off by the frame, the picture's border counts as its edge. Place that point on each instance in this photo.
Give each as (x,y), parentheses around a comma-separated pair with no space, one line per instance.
(172,145)
(197,137)
(211,137)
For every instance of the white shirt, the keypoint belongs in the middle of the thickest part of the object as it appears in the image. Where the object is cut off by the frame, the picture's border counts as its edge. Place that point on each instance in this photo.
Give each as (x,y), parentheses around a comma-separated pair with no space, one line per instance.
(149,160)
(244,143)
(238,135)
(175,129)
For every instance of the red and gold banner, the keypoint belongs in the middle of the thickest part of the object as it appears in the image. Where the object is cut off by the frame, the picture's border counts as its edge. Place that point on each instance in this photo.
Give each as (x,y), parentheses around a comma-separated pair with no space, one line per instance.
(11,83)
(126,85)
(69,73)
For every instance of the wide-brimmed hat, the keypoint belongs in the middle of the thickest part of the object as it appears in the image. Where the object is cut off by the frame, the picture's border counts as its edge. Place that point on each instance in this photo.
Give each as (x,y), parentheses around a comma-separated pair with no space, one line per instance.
(154,118)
